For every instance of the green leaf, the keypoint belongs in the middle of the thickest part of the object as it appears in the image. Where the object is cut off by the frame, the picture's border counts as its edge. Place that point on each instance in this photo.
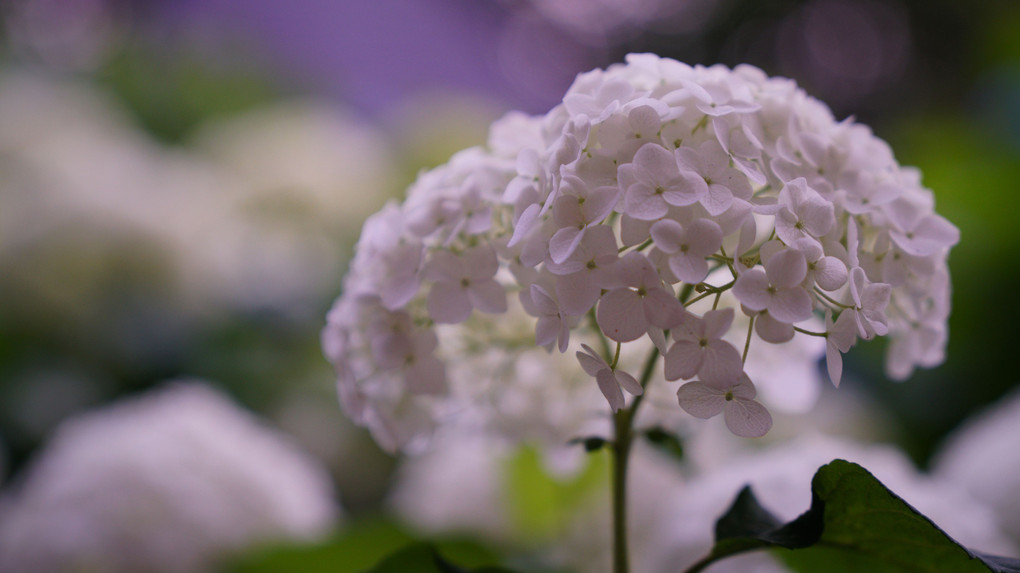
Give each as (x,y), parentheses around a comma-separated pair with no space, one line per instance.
(424,558)
(591,443)
(666,442)
(355,549)
(854,524)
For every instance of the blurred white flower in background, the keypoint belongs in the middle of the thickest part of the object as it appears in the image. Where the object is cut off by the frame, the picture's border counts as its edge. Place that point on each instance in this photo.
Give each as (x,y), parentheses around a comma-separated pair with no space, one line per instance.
(250,215)
(981,457)
(673,505)
(169,481)
(780,477)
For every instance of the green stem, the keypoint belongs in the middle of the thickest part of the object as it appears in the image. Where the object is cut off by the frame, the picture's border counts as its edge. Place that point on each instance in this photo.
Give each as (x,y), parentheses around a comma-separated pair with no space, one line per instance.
(623,438)
(621,453)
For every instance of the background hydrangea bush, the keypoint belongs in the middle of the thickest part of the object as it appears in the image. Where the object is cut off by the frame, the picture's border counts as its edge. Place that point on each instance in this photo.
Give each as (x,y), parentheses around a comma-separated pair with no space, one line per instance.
(661,209)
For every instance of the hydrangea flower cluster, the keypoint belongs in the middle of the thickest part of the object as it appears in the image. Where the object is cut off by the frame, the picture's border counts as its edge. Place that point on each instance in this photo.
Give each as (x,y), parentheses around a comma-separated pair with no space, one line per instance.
(621,217)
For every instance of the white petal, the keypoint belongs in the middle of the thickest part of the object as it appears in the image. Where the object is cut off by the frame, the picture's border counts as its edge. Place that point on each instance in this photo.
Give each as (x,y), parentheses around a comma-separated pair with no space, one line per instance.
(667,235)
(480,262)
(621,315)
(590,362)
(751,289)
(547,329)
(830,273)
(683,360)
(487,296)
(772,330)
(791,305)
(564,242)
(718,322)
(704,237)
(747,418)
(629,383)
(525,223)
(833,363)
(444,265)
(578,292)
(721,362)
(542,301)
(662,309)
(689,268)
(786,268)
(655,163)
(700,400)
(427,375)
(717,200)
(642,202)
(448,303)
(610,388)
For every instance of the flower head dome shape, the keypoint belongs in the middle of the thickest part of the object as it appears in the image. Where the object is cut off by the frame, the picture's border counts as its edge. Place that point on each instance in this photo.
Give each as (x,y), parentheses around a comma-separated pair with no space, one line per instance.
(618,219)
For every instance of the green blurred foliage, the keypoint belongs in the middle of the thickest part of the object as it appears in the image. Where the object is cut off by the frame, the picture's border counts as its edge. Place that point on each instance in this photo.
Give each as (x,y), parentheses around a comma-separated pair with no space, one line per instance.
(541,504)
(172,92)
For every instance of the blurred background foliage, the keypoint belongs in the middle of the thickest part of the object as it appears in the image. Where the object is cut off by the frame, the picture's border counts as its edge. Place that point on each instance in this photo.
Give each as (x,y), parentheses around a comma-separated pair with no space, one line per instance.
(94,311)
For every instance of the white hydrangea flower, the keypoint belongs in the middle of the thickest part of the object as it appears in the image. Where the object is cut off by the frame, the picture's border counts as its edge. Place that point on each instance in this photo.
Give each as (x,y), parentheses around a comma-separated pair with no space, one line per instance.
(982,458)
(654,194)
(171,481)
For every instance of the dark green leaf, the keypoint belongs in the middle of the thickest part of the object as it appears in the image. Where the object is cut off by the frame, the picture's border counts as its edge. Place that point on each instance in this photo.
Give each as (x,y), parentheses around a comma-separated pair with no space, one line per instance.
(424,558)
(666,442)
(854,524)
(591,444)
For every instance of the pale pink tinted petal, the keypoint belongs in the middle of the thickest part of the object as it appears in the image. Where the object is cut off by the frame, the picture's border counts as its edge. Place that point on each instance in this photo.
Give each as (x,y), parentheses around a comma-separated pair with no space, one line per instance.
(938,230)
(721,362)
(547,329)
(564,337)
(700,400)
(772,330)
(629,383)
(818,217)
(610,388)
(600,203)
(833,363)
(621,315)
(589,360)
(578,292)
(786,268)
(717,322)
(717,200)
(658,338)
(567,212)
(683,360)
(791,305)
(657,163)
(689,268)
(686,190)
(857,281)
(427,375)
(830,273)
(542,300)
(633,231)
(751,289)
(667,235)
(747,418)
(448,304)
(744,388)
(662,309)
(876,296)
(487,296)
(704,237)
(564,242)
(444,265)
(525,223)
(642,202)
